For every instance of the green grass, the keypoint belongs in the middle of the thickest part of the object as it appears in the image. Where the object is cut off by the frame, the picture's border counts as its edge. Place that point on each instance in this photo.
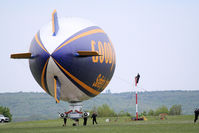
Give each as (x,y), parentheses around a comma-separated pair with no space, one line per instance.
(174,124)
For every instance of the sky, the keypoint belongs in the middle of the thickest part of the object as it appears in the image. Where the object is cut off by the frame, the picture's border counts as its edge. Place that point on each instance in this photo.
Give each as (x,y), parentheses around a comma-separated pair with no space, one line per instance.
(157,38)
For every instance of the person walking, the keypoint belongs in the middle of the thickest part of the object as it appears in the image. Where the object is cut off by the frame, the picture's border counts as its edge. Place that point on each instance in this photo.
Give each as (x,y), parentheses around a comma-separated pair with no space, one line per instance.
(94,118)
(196,115)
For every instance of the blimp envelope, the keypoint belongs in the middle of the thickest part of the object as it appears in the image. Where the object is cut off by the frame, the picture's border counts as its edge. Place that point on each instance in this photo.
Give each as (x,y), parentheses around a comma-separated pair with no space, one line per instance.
(72,59)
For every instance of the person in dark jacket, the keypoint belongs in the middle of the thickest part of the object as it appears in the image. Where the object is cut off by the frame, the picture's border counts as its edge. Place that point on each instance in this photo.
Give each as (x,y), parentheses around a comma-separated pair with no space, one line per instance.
(65,119)
(85,116)
(196,115)
(85,121)
(94,118)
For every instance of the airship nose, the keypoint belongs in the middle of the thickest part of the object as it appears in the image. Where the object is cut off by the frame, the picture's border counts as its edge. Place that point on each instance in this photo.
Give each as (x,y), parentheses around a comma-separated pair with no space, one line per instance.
(39,63)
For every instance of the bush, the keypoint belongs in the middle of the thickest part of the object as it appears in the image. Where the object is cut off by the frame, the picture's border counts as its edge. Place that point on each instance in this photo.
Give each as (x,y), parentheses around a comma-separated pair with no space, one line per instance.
(160,110)
(175,110)
(6,112)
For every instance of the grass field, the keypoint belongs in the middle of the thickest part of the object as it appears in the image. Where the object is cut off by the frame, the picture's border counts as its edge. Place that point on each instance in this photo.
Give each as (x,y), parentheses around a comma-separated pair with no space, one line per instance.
(174,124)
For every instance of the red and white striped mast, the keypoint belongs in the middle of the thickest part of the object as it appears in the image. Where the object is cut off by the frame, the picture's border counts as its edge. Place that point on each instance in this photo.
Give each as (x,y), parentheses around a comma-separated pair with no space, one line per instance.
(136,106)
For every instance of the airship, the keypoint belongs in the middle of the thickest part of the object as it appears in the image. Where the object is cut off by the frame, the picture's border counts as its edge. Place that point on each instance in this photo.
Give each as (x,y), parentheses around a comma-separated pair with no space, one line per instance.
(72,59)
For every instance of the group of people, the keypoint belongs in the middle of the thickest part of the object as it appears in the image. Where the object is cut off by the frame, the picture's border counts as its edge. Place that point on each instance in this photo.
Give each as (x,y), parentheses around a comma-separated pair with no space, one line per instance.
(93,117)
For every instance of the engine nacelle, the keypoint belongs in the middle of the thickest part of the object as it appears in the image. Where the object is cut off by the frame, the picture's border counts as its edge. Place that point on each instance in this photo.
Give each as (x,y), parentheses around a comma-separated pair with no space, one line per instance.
(62,115)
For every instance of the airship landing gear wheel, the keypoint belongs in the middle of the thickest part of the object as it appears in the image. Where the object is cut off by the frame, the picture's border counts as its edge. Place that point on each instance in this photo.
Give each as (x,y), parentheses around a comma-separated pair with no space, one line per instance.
(62,115)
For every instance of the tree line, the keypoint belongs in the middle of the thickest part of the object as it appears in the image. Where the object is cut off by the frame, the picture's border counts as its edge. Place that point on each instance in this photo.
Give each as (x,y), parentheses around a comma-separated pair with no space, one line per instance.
(174,110)
(105,111)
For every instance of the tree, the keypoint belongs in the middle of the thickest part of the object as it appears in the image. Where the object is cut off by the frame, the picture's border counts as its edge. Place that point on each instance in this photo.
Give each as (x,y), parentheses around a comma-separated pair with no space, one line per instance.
(162,109)
(105,111)
(6,112)
(175,110)
(151,112)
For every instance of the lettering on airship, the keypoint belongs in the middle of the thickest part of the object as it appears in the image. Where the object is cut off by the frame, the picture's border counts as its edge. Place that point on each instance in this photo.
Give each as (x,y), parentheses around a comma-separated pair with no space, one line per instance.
(104,49)
(100,82)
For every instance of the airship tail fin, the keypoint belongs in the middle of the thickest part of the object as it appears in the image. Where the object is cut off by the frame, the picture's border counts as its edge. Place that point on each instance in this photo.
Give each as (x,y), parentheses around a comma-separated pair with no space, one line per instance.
(57,89)
(21,56)
(87,53)
(55,25)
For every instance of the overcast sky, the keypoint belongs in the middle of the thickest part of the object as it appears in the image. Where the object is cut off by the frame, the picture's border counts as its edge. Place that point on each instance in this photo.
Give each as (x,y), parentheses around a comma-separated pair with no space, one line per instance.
(158,39)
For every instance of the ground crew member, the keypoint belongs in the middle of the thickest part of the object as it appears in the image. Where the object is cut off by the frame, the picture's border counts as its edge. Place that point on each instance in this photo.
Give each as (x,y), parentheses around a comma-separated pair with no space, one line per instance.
(94,118)
(196,115)
(65,119)
(85,121)
(85,116)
